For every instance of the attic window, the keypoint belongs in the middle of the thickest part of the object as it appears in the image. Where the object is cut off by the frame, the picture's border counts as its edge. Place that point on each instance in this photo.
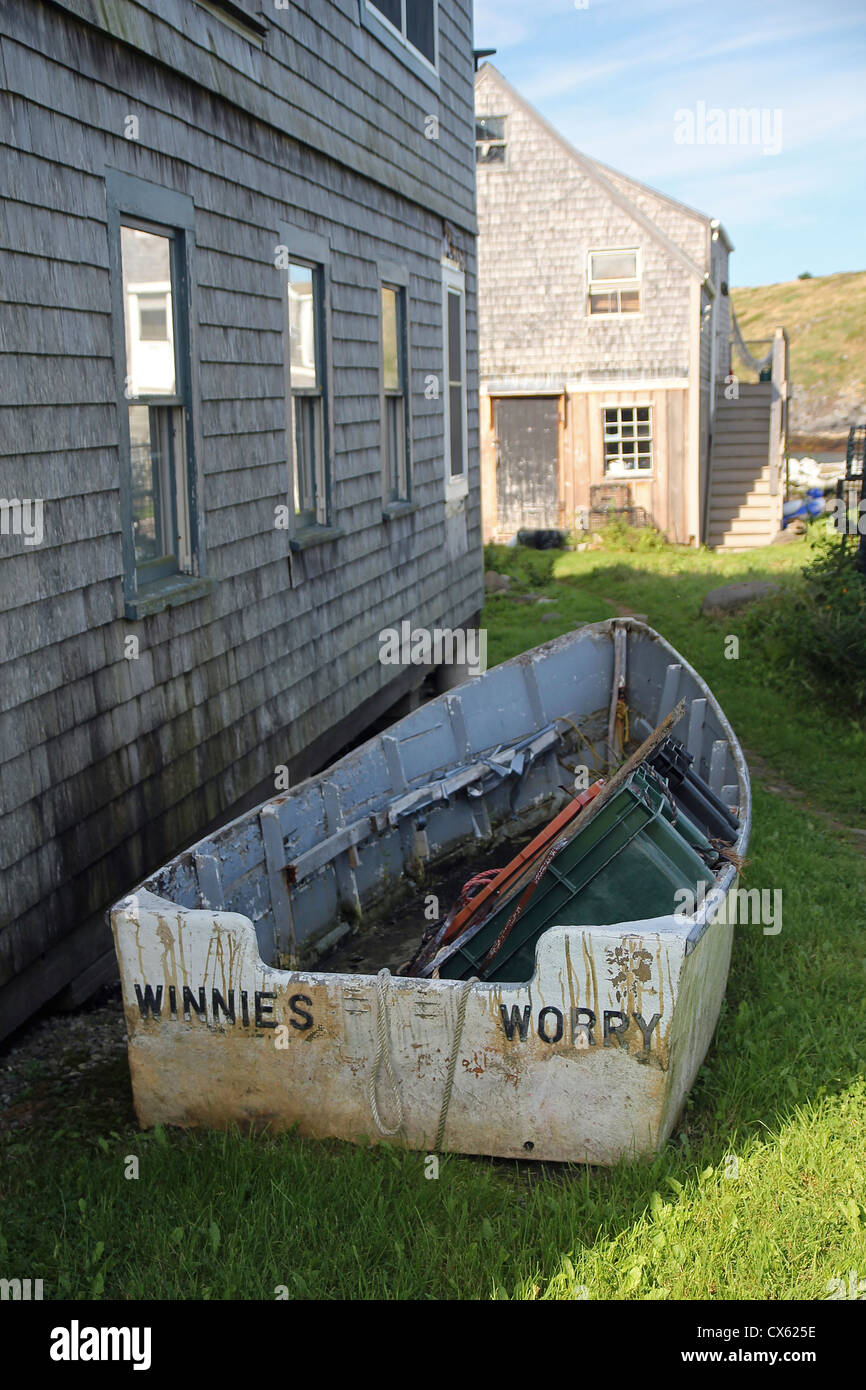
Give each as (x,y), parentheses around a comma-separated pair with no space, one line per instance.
(614,282)
(489,139)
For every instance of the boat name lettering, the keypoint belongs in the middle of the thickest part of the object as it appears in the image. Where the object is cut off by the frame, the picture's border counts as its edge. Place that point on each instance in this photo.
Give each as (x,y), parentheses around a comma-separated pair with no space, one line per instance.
(550,1025)
(225,1006)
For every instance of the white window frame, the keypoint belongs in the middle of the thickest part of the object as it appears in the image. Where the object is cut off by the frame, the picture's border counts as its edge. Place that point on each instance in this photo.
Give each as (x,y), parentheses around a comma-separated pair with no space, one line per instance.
(400,37)
(456,484)
(152,291)
(614,286)
(619,471)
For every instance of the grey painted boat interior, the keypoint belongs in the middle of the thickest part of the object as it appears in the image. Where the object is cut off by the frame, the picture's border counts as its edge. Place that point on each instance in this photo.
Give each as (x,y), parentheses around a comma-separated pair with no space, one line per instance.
(466,770)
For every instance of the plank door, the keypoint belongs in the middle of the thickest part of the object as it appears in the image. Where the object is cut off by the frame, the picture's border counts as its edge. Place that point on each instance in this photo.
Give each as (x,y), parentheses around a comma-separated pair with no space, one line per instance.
(527,440)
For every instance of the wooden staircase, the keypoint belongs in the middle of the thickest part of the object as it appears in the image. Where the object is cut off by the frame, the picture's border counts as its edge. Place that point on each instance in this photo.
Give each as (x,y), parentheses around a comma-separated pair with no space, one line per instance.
(747,452)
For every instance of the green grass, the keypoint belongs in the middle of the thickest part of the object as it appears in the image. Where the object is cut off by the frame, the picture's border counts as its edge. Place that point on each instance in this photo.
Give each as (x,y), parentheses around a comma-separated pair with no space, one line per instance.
(760,1194)
(815,748)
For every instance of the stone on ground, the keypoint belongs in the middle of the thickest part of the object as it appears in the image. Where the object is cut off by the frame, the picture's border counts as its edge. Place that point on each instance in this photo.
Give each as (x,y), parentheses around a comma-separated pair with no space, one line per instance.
(731,596)
(495,583)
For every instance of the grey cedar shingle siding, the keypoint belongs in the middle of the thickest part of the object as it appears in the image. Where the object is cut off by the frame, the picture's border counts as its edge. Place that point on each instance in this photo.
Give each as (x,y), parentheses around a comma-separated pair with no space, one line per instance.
(538,219)
(110,765)
(322,79)
(540,214)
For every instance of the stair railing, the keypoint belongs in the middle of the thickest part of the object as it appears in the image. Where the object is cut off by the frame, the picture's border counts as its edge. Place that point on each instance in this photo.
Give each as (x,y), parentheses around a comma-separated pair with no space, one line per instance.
(852,490)
(778,409)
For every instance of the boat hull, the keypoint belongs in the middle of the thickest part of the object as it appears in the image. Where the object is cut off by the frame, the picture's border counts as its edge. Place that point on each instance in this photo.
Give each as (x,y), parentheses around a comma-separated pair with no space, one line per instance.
(588,1061)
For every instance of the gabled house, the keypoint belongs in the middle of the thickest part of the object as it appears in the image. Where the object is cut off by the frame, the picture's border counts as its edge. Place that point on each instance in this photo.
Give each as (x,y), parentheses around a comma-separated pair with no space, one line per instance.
(605,349)
(240,398)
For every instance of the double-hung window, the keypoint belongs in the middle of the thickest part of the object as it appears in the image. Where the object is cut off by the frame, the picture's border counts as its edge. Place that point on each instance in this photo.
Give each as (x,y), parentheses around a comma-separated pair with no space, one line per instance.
(305,260)
(396,432)
(157,402)
(454,334)
(307,391)
(150,234)
(614,282)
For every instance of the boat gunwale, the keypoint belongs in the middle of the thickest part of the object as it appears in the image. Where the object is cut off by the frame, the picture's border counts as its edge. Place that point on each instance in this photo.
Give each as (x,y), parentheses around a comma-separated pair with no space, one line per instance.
(691,927)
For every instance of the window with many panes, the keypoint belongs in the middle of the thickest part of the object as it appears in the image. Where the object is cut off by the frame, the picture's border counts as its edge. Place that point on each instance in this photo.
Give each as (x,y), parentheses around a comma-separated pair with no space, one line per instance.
(454,332)
(413,22)
(395,402)
(628,445)
(305,291)
(614,282)
(490,140)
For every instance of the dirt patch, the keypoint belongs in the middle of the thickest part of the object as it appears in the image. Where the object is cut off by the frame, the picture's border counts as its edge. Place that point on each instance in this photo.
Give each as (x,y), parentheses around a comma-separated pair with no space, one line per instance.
(622,610)
(69,1065)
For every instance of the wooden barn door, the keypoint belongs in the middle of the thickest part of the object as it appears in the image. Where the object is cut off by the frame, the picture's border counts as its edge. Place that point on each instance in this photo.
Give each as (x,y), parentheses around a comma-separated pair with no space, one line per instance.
(527,450)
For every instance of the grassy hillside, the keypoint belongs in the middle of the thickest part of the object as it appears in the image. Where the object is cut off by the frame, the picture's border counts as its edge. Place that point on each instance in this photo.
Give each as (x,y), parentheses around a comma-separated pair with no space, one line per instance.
(825,319)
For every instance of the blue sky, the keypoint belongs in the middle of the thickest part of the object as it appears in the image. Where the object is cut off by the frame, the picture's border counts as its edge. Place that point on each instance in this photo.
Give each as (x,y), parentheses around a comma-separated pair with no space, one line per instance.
(612,76)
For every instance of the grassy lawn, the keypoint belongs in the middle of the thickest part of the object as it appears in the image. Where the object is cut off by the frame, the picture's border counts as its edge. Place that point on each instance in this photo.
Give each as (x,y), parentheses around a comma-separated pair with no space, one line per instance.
(761,1192)
(812,747)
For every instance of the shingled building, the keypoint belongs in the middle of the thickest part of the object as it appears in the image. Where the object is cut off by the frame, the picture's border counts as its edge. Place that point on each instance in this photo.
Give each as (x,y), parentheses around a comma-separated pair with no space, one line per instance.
(241,398)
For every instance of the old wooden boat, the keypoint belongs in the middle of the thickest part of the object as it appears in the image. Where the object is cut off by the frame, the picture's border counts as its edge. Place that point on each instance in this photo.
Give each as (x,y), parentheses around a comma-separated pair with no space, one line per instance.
(583,1048)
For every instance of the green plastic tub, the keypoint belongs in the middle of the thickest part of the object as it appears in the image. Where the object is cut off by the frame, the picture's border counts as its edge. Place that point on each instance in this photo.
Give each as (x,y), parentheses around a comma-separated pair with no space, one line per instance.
(627,864)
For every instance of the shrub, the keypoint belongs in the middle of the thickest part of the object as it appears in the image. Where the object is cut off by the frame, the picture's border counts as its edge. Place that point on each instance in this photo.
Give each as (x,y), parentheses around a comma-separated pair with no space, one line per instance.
(618,535)
(528,567)
(815,633)
(836,588)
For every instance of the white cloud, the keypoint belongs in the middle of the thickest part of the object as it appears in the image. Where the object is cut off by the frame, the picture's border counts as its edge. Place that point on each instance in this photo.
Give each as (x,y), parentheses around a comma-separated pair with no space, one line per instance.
(689,53)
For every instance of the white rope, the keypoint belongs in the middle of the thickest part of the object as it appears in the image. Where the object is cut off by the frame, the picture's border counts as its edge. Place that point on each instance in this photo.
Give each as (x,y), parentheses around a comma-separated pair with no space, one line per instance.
(756,364)
(383,1054)
(452,1061)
